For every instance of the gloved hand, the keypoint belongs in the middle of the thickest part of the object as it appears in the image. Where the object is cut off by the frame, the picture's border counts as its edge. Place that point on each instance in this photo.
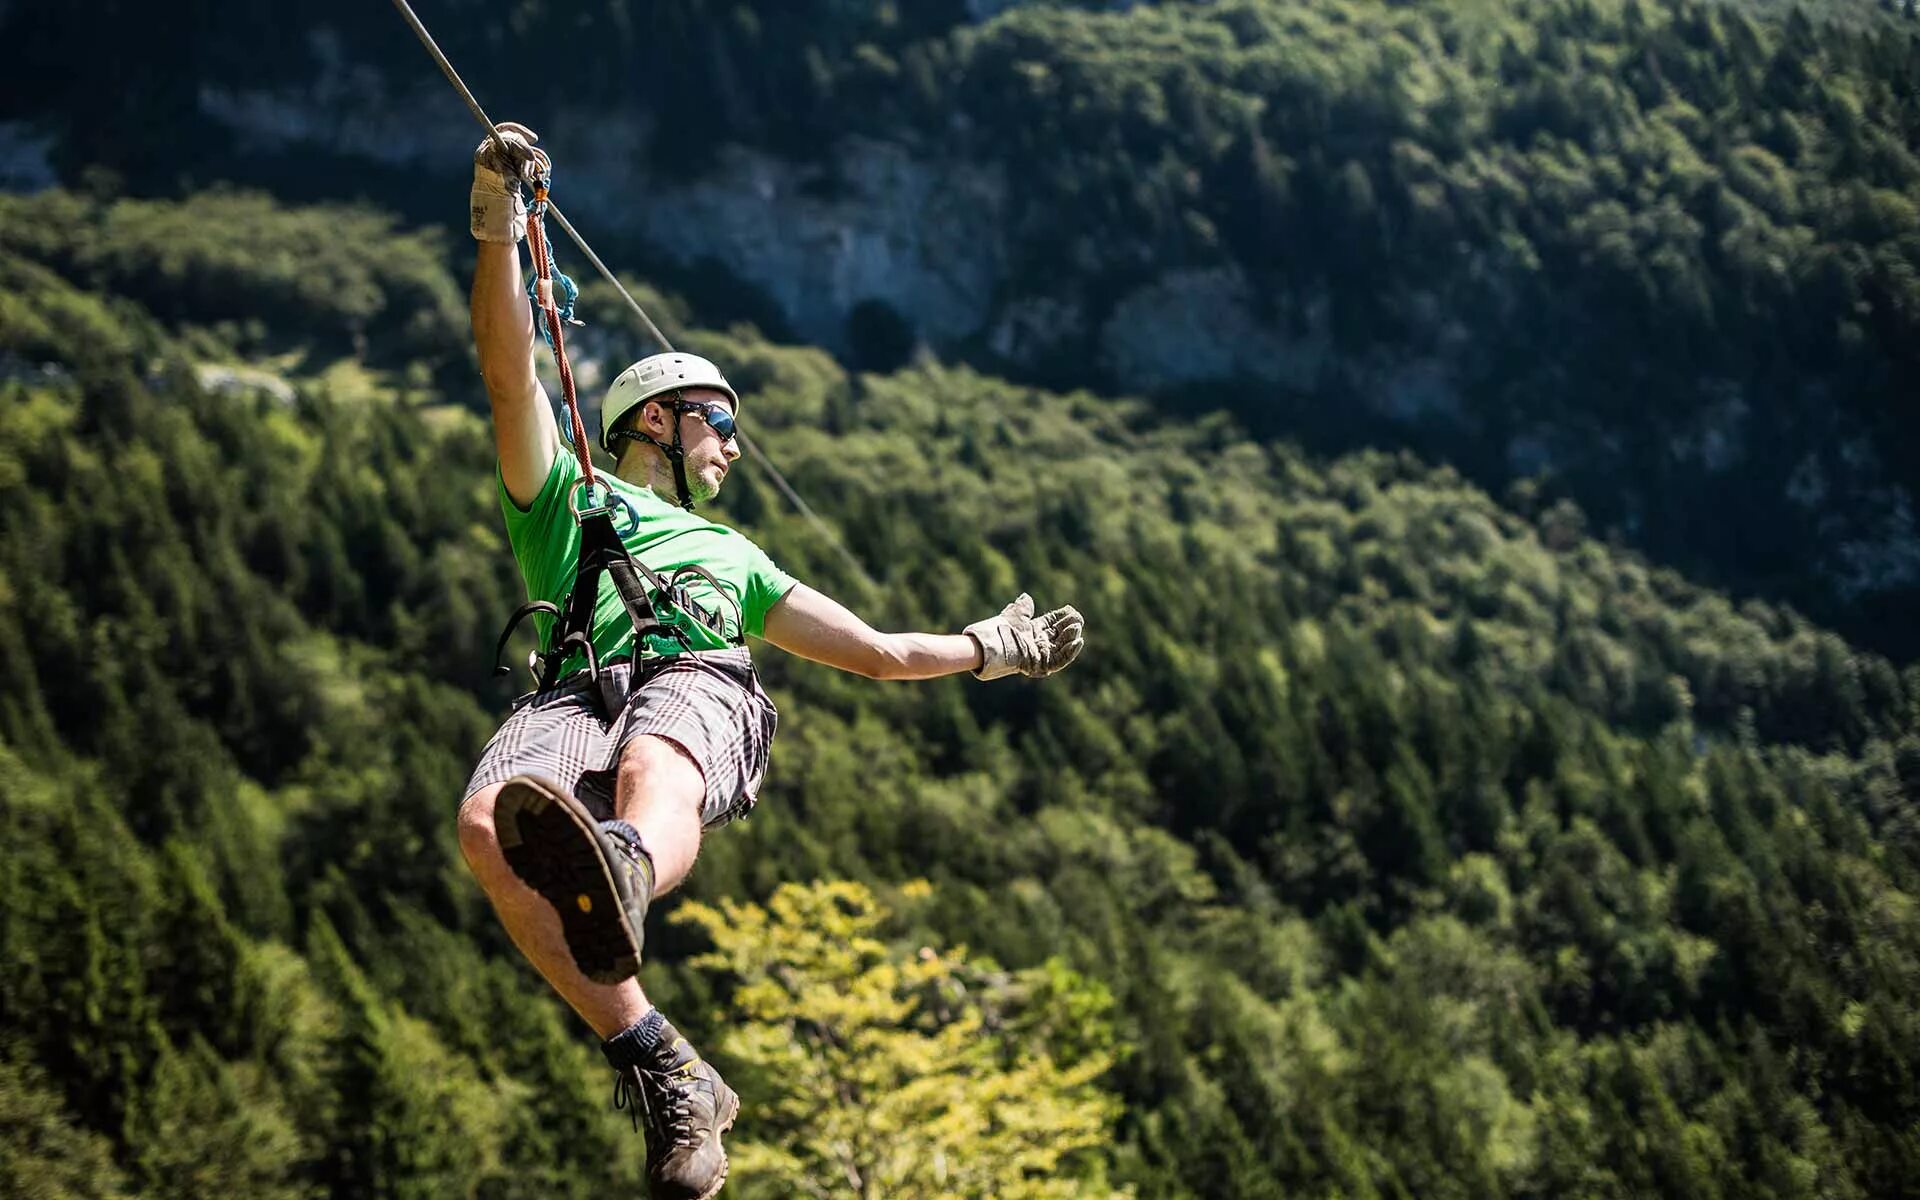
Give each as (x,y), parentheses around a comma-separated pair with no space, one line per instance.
(1016,640)
(498,213)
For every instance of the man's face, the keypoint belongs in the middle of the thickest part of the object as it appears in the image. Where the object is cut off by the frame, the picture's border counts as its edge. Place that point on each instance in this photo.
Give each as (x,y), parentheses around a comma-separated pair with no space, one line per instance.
(708,457)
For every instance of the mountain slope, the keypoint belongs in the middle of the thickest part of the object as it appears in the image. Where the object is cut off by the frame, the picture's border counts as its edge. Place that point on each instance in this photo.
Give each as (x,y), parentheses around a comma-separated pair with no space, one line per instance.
(1425,848)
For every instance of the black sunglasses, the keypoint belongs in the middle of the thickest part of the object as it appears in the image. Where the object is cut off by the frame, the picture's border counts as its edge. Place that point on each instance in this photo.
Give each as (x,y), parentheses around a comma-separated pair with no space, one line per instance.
(715,415)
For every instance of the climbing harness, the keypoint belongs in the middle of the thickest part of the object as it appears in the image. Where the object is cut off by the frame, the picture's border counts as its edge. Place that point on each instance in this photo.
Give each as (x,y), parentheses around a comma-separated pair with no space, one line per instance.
(654,604)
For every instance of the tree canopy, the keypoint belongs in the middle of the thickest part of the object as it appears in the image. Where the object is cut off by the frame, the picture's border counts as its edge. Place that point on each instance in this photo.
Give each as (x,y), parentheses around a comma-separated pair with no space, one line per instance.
(1386,841)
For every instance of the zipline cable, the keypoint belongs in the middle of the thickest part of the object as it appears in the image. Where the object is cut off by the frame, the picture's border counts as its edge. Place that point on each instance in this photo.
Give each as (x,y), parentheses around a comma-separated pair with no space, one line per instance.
(747,444)
(486,122)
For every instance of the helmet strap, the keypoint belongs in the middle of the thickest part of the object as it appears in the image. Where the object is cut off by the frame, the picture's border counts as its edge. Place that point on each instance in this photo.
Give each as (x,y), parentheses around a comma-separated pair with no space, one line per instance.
(675,452)
(677,455)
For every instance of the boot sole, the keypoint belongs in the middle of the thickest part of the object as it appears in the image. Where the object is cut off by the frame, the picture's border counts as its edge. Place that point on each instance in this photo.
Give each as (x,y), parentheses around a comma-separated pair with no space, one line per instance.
(725,1163)
(550,841)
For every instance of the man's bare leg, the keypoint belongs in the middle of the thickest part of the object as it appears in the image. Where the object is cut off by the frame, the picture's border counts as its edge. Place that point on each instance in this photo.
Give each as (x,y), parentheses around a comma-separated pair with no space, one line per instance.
(535,927)
(659,791)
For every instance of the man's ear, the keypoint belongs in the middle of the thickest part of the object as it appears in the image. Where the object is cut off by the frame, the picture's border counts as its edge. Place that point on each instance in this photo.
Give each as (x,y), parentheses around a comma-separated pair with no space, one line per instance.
(654,417)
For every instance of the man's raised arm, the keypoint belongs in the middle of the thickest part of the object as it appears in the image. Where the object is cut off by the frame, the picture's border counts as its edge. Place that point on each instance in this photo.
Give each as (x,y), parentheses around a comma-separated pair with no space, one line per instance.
(817,627)
(523,430)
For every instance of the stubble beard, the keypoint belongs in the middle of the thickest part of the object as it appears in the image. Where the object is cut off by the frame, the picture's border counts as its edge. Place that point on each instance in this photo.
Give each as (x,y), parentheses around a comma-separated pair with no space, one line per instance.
(699,482)
(660,477)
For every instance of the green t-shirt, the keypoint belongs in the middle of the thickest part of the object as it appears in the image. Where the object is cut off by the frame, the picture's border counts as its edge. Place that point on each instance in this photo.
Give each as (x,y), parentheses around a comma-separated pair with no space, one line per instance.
(546,543)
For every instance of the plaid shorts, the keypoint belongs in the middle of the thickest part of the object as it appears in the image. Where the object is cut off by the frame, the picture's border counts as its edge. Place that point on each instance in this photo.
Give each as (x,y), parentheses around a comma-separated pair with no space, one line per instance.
(712,707)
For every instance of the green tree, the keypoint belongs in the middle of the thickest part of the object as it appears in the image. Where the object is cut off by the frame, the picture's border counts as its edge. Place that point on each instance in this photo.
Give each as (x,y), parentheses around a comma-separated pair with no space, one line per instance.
(888,1072)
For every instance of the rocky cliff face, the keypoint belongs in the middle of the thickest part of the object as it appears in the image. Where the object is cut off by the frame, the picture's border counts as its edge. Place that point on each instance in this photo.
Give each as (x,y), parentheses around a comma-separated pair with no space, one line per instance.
(870,223)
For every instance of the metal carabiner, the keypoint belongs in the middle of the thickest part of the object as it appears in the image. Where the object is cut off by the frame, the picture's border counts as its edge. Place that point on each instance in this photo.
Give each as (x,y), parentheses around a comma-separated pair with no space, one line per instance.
(573,499)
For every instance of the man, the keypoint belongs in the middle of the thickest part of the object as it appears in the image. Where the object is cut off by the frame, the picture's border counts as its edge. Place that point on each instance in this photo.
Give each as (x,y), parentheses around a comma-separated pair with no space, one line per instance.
(576,818)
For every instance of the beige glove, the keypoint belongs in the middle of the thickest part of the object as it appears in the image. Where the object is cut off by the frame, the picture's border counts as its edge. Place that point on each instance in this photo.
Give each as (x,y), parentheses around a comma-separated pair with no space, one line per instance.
(1016,640)
(497,212)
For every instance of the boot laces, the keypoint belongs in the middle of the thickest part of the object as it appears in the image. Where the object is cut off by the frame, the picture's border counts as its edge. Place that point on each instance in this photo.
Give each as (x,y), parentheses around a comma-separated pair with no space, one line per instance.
(663,1098)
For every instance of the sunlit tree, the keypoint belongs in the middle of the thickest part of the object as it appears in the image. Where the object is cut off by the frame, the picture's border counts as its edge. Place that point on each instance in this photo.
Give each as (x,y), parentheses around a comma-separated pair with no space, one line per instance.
(882,1070)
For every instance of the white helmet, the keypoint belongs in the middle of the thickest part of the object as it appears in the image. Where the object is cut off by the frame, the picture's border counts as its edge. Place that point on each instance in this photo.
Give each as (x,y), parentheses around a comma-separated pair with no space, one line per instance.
(656,375)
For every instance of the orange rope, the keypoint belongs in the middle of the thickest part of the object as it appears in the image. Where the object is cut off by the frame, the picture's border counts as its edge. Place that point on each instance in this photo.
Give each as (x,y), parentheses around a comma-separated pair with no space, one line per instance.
(550,312)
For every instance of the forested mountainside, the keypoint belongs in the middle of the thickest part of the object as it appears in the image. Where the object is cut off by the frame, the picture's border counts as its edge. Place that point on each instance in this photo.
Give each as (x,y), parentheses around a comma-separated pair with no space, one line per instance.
(1662,259)
(1384,842)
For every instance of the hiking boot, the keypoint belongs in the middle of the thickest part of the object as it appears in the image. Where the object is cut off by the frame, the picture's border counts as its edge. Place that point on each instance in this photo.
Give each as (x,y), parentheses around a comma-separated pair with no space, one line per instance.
(594,873)
(685,1106)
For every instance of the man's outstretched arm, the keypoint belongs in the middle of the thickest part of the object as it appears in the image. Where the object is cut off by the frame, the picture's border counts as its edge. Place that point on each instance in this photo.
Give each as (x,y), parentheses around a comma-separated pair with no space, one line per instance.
(817,627)
(523,430)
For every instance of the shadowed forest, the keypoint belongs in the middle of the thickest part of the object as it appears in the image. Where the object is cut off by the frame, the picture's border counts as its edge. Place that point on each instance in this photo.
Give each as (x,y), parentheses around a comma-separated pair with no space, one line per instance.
(1392,838)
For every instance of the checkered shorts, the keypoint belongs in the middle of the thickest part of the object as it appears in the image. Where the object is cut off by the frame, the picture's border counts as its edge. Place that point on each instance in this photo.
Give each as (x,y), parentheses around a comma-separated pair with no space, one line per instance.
(713,708)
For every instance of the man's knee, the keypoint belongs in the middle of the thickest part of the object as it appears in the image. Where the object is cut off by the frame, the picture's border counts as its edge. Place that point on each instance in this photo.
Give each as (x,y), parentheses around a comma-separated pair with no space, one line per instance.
(656,766)
(479,841)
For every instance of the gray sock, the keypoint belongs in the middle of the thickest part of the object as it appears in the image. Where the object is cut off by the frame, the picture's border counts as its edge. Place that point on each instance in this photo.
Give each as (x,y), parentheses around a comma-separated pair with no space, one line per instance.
(637,1043)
